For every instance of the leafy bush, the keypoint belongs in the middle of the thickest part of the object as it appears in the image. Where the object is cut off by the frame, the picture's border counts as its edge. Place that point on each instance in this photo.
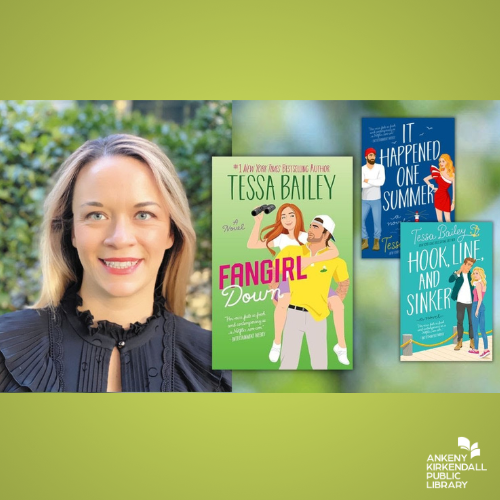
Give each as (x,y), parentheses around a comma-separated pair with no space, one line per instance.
(34,141)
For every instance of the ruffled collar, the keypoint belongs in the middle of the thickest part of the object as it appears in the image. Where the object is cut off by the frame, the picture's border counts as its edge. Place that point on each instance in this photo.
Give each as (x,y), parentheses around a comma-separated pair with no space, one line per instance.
(445,179)
(108,328)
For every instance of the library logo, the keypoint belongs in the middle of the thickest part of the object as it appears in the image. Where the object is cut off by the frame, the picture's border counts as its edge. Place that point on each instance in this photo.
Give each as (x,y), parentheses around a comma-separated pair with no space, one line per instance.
(446,471)
(464,443)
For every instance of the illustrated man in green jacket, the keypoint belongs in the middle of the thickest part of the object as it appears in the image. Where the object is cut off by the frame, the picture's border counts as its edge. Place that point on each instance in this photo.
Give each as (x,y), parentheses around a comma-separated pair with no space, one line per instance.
(463,294)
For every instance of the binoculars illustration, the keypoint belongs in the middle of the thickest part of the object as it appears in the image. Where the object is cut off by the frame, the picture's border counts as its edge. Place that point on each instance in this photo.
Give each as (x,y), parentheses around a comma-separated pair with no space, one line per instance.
(267,209)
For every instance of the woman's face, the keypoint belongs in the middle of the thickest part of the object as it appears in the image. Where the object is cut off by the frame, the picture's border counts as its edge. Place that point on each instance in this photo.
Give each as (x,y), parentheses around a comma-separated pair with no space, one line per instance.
(121,226)
(288,219)
(442,163)
(476,275)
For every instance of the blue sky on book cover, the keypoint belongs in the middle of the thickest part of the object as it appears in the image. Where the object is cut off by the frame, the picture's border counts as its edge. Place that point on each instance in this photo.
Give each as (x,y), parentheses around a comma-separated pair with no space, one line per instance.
(402,186)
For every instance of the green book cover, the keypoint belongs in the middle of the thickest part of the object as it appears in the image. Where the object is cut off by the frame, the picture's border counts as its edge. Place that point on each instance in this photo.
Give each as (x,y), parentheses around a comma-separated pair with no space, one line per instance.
(282,263)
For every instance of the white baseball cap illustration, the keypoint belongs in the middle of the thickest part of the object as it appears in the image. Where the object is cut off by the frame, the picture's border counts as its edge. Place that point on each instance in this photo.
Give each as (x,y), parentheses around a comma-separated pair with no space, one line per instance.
(327,223)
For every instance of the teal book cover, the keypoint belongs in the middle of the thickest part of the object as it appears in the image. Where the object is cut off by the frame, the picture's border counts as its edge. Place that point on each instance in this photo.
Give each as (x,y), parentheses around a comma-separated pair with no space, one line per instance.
(446,291)
(282,263)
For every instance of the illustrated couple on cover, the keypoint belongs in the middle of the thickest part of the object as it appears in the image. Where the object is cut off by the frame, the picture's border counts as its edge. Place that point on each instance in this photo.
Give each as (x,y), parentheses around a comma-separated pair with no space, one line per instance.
(373,178)
(468,291)
(302,306)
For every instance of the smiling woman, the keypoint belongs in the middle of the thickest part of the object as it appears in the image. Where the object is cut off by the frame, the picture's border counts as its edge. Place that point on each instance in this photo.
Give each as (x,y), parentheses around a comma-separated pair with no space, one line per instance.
(120,244)
(117,240)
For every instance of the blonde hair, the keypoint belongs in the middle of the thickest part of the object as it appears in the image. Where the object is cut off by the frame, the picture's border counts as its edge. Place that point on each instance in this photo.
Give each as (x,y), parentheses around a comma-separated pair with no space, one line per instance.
(449,167)
(481,272)
(59,259)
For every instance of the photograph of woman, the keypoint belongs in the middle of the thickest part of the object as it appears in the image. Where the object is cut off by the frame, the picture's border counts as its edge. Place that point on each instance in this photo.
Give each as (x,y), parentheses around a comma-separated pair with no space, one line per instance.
(444,177)
(288,229)
(478,315)
(116,251)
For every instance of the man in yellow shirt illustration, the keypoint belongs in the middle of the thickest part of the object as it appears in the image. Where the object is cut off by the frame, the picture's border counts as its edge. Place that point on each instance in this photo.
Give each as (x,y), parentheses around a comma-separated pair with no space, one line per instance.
(310,299)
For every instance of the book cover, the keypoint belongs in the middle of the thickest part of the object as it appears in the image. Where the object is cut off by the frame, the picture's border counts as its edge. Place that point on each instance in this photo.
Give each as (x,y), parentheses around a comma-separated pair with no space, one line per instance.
(446,291)
(282,263)
(407,174)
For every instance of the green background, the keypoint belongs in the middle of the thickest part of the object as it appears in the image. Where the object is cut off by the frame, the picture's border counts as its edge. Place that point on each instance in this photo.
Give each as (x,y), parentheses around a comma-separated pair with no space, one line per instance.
(231,247)
(351,445)
(238,446)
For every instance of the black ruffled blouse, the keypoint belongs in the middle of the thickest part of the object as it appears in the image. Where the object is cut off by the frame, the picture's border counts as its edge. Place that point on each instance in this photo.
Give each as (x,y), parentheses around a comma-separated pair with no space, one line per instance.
(45,352)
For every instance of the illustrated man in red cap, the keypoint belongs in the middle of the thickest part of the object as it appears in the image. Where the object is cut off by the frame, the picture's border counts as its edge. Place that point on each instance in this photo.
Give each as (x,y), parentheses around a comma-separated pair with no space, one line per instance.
(372,178)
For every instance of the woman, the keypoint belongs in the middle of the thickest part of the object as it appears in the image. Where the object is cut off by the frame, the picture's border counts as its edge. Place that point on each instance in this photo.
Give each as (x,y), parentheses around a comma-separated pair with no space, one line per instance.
(116,240)
(444,176)
(288,229)
(478,281)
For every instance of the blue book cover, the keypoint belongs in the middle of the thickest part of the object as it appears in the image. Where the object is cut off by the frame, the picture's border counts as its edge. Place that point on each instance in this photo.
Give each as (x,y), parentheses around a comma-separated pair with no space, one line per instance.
(446,291)
(407,174)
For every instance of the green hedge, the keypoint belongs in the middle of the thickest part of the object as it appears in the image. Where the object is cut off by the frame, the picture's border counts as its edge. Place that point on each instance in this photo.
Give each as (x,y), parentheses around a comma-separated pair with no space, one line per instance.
(34,141)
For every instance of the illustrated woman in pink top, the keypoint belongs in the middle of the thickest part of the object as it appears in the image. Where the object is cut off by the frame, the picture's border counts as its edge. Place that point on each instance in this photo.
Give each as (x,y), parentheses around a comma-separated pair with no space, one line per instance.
(478,322)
